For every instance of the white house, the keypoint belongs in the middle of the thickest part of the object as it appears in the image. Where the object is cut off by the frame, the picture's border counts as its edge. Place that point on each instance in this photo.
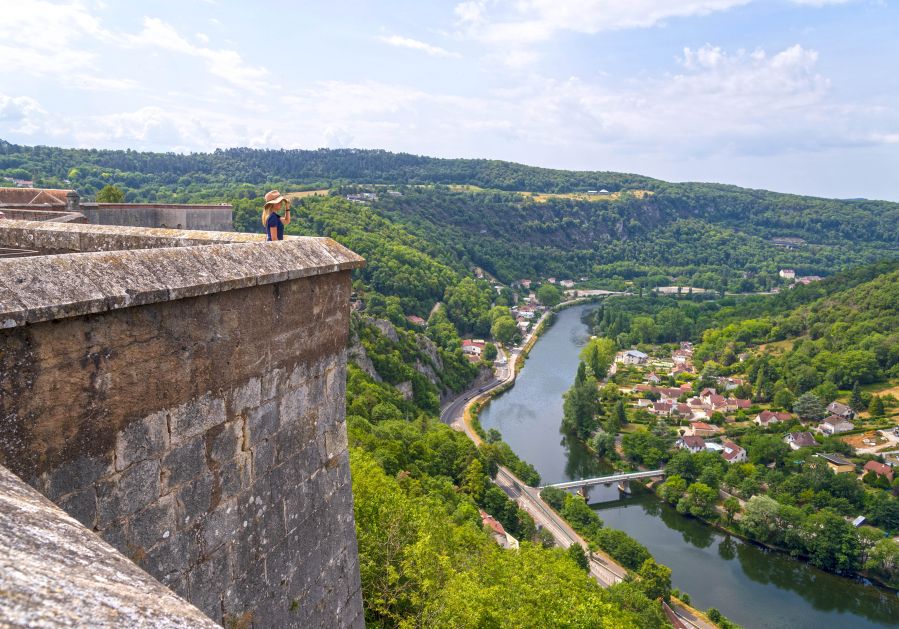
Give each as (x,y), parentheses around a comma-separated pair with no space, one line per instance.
(692,443)
(733,453)
(787,274)
(634,357)
(834,424)
(841,410)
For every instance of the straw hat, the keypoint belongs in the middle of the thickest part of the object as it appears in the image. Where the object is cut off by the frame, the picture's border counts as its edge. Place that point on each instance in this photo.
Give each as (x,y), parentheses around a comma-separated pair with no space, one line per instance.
(274,198)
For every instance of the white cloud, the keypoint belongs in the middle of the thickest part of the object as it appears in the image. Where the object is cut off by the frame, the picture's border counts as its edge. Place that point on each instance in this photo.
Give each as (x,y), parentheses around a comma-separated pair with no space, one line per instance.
(21,114)
(226,64)
(414,44)
(531,21)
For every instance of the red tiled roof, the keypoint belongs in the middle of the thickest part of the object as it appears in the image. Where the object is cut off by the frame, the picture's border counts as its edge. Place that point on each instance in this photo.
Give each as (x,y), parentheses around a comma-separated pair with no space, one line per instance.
(33,196)
(731,450)
(693,442)
(489,520)
(879,468)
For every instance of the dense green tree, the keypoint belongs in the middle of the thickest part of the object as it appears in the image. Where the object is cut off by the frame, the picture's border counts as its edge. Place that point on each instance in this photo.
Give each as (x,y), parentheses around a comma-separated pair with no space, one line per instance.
(578,556)
(505,330)
(731,508)
(111,194)
(673,489)
(699,501)
(598,355)
(655,580)
(809,407)
(549,295)
(856,402)
(875,408)
(831,542)
(580,405)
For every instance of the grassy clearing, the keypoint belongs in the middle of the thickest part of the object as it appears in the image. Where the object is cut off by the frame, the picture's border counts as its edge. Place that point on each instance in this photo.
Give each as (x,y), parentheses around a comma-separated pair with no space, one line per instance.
(543,197)
(778,347)
(306,193)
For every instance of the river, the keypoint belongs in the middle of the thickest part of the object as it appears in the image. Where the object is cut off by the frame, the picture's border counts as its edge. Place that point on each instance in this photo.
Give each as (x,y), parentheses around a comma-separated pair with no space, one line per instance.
(751,586)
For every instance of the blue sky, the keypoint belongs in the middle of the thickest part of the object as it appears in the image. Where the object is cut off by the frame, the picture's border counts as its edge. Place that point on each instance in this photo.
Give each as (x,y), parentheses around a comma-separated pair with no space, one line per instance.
(792,95)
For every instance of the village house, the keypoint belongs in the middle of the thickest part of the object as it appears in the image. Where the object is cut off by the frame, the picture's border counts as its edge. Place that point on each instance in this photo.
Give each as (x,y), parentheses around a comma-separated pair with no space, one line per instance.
(662,408)
(765,418)
(838,464)
(735,404)
(729,384)
(691,443)
(524,283)
(834,424)
(567,283)
(653,378)
(683,410)
(880,469)
(633,357)
(472,346)
(683,368)
(681,356)
(841,410)
(787,274)
(497,532)
(551,280)
(798,440)
(702,429)
(732,453)
(416,320)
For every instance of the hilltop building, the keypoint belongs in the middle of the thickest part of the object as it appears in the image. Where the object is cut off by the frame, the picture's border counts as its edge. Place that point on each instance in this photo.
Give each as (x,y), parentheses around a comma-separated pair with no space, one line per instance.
(66,206)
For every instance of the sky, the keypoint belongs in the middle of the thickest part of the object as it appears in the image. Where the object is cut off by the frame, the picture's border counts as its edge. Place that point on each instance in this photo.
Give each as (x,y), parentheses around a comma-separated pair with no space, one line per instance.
(790,95)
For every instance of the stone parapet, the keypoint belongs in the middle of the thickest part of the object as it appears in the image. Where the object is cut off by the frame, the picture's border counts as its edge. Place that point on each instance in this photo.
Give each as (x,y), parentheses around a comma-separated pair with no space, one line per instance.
(56,573)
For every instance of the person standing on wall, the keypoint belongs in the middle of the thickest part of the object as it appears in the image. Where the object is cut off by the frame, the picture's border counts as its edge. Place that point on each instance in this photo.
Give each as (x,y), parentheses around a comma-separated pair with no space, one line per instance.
(274,223)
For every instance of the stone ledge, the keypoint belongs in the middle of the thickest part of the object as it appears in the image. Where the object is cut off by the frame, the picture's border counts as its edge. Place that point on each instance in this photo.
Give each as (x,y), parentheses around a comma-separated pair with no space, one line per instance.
(56,573)
(130,266)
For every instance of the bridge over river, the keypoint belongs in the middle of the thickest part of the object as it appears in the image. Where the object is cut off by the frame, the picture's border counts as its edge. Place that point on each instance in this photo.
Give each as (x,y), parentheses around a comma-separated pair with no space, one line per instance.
(623,480)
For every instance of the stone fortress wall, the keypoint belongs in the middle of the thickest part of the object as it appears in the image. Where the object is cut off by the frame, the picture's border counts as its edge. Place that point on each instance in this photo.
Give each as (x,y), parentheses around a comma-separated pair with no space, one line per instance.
(182,395)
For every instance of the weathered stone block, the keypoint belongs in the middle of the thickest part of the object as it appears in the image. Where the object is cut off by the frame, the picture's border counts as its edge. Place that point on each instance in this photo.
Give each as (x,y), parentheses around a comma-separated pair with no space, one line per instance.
(177,553)
(225,442)
(122,494)
(81,505)
(184,463)
(245,396)
(142,439)
(209,599)
(77,474)
(264,457)
(196,417)
(236,475)
(194,499)
(154,523)
(263,421)
(220,526)
(273,383)
(336,441)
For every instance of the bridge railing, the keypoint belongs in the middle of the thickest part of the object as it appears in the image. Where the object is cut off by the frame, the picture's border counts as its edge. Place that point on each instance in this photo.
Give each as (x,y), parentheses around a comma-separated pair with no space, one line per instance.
(586,482)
